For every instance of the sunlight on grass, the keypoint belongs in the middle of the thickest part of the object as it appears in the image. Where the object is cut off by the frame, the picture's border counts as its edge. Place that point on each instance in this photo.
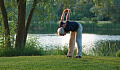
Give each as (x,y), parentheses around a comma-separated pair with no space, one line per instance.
(59,62)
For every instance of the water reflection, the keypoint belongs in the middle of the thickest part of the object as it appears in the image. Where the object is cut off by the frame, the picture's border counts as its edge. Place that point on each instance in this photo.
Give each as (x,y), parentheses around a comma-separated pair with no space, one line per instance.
(88,40)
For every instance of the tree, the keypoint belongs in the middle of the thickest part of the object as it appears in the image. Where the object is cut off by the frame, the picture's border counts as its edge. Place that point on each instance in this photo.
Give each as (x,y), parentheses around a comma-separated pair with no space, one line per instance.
(82,9)
(108,8)
(6,26)
(23,26)
(29,20)
(21,29)
(21,23)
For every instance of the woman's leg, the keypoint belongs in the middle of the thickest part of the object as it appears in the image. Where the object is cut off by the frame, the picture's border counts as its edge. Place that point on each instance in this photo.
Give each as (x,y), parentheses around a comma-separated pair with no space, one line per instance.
(79,40)
(71,44)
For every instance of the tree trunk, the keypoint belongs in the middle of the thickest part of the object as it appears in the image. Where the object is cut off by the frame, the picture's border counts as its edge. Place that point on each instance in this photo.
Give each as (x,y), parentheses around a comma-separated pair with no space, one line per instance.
(6,26)
(29,20)
(21,24)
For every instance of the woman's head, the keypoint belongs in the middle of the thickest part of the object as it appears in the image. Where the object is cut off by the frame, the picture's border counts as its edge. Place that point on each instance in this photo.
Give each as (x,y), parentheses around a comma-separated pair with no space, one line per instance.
(61,31)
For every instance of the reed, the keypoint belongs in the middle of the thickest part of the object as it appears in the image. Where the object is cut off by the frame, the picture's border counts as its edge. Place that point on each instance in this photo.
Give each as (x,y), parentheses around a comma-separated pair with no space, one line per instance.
(106,48)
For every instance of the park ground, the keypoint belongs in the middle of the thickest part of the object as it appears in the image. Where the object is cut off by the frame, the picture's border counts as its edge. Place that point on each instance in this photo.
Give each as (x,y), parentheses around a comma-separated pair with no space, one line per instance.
(59,62)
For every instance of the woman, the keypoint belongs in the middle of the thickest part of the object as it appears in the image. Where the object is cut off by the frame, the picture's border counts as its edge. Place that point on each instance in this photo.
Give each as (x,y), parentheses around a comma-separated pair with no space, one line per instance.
(75,33)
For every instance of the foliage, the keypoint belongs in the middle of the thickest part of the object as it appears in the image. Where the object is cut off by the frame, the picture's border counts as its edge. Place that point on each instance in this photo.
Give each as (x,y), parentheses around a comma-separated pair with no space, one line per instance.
(94,20)
(29,51)
(82,9)
(44,28)
(86,20)
(52,12)
(33,47)
(48,12)
(12,34)
(1,36)
(108,8)
(118,54)
(106,48)
(56,51)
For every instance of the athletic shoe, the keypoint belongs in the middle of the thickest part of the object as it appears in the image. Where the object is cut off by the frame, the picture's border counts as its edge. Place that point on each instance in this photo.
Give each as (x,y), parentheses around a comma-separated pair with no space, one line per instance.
(78,57)
(69,56)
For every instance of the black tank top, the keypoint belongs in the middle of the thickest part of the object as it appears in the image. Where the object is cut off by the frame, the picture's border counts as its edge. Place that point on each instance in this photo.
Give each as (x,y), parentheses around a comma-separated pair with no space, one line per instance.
(70,26)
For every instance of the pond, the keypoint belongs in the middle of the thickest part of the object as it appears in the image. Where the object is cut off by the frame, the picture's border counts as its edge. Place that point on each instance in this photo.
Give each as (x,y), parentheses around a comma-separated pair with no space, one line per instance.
(88,40)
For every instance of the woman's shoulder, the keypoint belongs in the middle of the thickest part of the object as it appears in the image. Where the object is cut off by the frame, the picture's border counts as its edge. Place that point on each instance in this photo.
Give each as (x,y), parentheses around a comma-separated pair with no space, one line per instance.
(61,23)
(71,21)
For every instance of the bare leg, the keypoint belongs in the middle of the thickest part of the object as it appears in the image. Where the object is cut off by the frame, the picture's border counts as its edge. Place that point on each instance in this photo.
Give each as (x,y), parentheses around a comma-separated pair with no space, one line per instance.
(71,44)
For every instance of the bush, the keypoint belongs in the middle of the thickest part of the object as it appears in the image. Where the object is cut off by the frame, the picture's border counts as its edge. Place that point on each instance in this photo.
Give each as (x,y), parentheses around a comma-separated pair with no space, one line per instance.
(65,50)
(118,54)
(86,20)
(94,20)
(28,51)
(32,48)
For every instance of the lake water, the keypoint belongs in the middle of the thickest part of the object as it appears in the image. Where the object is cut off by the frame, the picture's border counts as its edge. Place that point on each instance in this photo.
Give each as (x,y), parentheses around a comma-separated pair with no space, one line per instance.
(88,40)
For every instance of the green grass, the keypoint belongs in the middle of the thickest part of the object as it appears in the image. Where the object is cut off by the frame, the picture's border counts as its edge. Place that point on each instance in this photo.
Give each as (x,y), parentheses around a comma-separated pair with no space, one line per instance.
(59,62)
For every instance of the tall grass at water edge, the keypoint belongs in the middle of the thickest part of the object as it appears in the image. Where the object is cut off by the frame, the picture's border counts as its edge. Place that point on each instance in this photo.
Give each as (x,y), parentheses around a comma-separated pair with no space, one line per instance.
(107,48)
(33,47)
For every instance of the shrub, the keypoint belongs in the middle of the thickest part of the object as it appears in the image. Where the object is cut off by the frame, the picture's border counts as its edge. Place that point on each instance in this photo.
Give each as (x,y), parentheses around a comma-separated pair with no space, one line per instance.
(118,54)
(94,20)
(28,51)
(86,20)
(32,48)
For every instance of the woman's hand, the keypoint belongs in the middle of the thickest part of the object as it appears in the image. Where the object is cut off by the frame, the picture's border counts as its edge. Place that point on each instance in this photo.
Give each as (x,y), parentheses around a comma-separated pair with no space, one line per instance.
(69,10)
(68,15)
(65,10)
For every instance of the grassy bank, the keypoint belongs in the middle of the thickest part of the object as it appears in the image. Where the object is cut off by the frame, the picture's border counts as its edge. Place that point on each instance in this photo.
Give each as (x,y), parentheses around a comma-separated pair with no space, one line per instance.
(59,62)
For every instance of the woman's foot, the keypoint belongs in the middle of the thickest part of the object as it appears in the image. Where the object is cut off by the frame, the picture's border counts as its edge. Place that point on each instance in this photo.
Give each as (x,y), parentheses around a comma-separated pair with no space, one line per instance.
(78,57)
(69,56)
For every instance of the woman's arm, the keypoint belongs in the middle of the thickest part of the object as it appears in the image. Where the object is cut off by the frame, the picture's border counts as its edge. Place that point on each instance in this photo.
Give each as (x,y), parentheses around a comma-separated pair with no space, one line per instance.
(63,15)
(68,15)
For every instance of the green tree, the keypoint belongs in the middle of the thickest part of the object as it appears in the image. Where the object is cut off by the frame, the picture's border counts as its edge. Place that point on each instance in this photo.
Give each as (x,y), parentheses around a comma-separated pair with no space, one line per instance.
(22,27)
(108,8)
(6,26)
(46,10)
(82,9)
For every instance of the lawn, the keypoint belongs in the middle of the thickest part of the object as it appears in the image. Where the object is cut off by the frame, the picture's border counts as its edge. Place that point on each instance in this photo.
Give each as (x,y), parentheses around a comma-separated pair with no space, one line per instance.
(59,62)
